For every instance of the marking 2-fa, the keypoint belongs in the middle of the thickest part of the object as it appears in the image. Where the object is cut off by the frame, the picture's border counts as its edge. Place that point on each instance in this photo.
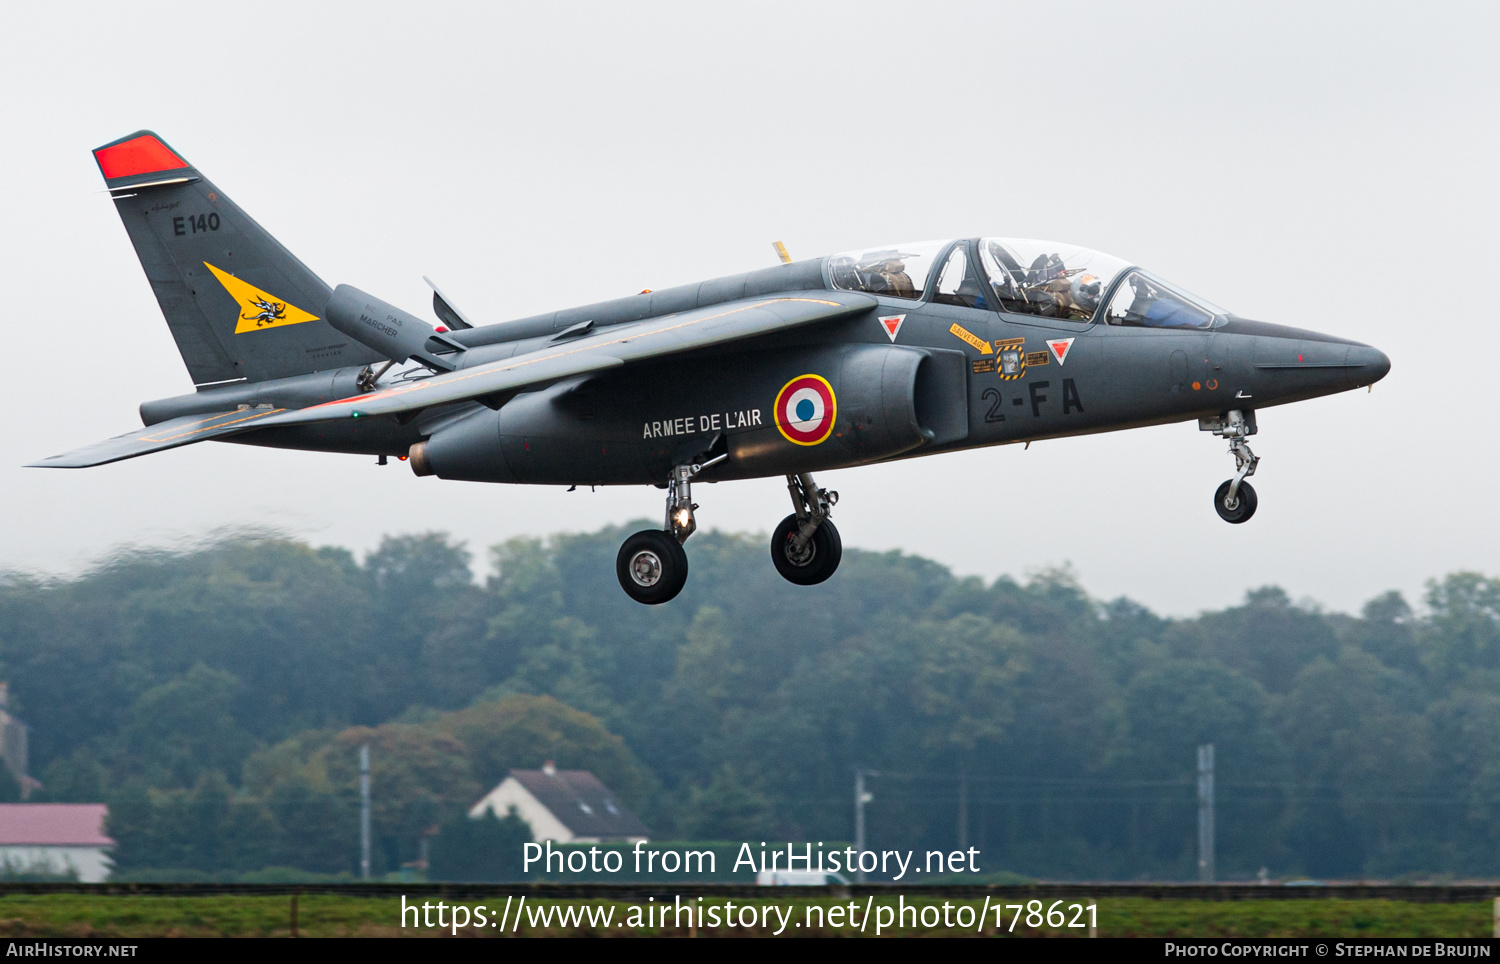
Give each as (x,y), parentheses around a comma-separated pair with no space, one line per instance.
(1036,395)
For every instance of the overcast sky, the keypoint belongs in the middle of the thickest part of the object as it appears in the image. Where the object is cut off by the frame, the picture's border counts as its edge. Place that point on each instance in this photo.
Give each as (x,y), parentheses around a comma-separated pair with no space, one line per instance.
(1329,166)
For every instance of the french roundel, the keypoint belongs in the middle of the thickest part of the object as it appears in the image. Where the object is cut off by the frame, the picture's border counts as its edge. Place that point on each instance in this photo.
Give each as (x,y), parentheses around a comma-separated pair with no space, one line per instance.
(805,410)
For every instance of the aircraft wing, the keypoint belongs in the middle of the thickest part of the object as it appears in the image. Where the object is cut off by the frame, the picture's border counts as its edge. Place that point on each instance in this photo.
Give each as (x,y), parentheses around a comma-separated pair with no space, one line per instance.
(609,347)
(155,438)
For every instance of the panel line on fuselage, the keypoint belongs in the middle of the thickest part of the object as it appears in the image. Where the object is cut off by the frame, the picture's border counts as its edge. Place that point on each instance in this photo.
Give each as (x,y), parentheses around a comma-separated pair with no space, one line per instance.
(511,364)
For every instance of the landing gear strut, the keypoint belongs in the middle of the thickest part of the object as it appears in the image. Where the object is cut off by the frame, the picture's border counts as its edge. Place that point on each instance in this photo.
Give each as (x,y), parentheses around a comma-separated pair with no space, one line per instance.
(806,548)
(652,566)
(1235,500)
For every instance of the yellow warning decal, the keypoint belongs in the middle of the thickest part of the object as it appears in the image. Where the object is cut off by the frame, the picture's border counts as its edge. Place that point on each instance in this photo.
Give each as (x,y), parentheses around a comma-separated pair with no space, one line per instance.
(973,339)
(258,310)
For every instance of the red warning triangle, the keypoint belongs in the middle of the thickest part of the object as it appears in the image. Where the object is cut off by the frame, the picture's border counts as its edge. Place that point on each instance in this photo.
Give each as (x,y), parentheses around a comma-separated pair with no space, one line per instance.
(891,324)
(1060,348)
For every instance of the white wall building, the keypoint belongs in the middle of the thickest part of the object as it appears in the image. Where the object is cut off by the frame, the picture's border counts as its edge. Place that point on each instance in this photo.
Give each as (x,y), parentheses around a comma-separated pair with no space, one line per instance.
(56,837)
(565,806)
(13,743)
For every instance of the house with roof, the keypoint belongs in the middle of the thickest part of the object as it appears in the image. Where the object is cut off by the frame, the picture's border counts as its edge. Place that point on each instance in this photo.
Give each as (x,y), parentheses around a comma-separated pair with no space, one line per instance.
(56,838)
(565,806)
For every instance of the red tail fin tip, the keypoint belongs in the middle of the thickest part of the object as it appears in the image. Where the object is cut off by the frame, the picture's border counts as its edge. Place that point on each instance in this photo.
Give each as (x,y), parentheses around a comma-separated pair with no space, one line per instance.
(139,155)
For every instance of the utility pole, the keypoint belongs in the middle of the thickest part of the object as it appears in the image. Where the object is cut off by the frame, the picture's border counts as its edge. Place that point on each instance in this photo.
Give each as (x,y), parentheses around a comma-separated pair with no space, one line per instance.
(364,812)
(860,799)
(1206,813)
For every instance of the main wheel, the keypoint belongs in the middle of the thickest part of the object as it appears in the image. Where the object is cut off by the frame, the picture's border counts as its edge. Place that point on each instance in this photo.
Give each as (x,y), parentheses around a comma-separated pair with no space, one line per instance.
(817,560)
(1243,507)
(652,567)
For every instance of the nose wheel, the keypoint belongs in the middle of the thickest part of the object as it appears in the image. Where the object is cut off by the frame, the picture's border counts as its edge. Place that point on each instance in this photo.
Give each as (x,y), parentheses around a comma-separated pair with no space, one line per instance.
(1235,500)
(1235,507)
(806,548)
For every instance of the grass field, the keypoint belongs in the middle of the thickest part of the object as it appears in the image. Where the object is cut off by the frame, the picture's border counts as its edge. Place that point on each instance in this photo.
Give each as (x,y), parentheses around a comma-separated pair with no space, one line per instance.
(75,915)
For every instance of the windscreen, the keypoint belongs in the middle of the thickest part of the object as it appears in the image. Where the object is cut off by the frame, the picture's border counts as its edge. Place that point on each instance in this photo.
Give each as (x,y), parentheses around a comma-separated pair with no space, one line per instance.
(1145,301)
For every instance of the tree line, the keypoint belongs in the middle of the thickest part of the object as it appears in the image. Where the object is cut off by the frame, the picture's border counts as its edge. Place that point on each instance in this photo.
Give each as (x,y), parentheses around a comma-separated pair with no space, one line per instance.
(216,696)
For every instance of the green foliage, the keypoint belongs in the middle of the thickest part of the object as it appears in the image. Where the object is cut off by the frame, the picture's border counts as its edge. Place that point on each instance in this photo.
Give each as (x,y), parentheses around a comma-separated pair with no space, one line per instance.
(423,775)
(1464,631)
(319,826)
(522,732)
(10,787)
(726,809)
(176,729)
(483,849)
(216,697)
(14,872)
(78,778)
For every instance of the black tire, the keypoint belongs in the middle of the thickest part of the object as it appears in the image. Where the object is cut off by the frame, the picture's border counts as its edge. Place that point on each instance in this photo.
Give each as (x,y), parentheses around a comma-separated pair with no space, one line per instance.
(1243,508)
(824,550)
(652,567)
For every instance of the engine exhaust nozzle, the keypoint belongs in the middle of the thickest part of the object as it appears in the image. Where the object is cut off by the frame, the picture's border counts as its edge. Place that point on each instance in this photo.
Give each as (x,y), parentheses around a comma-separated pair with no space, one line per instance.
(417,456)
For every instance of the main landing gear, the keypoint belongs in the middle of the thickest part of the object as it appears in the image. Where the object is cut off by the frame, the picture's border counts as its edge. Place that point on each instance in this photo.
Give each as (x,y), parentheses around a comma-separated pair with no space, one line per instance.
(1235,500)
(653,567)
(806,548)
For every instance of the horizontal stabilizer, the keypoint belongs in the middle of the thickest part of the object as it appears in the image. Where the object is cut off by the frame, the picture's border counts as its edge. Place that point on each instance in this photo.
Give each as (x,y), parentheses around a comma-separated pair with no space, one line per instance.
(393,333)
(595,351)
(155,438)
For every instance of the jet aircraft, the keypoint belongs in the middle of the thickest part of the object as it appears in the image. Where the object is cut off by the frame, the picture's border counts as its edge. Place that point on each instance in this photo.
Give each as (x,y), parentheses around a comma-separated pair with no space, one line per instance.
(886,353)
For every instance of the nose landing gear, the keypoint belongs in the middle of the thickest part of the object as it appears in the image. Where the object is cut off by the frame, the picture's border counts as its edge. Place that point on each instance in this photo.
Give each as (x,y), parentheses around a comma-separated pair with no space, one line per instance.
(1235,500)
(806,548)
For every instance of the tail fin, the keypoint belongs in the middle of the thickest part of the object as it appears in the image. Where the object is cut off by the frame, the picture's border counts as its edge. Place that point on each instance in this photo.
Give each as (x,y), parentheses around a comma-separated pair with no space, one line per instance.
(240,306)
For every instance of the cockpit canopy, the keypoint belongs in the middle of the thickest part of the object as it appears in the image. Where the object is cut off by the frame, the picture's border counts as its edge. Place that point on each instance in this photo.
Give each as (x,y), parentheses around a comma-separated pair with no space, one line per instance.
(900,271)
(1023,276)
(1046,278)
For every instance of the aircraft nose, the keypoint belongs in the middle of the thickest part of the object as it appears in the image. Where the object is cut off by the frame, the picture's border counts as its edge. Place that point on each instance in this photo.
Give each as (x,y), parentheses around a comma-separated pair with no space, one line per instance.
(1373,364)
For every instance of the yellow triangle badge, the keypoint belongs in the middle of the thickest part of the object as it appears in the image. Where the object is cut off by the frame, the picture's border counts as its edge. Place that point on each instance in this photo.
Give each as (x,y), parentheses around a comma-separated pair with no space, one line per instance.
(258,310)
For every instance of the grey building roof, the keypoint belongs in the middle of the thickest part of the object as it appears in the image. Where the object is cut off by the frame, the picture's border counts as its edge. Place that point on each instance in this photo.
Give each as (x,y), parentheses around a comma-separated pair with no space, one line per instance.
(583,804)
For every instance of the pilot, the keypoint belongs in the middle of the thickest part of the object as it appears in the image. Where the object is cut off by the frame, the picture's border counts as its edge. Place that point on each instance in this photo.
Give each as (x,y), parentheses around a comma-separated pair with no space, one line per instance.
(894,280)
(1047,283)
(1084,292)
(1073,293)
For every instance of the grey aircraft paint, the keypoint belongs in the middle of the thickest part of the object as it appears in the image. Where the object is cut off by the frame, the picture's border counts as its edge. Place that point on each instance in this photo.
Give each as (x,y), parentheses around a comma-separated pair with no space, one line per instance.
(783,371)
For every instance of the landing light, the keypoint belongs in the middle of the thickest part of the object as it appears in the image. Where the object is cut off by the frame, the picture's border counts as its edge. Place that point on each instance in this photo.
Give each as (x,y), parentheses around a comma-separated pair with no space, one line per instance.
(684,516)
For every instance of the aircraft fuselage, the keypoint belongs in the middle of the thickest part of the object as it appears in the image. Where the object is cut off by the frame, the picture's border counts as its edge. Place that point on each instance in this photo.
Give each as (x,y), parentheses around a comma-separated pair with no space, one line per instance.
(630,427)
